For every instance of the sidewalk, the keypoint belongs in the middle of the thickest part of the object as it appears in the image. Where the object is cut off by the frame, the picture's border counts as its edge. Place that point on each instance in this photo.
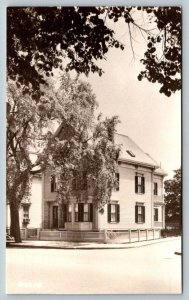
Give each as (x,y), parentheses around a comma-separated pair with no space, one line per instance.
(89,246)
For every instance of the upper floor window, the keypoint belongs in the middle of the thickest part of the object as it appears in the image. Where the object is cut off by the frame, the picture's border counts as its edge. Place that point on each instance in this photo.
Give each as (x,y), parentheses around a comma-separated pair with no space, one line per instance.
(79,180)
(26,211)
(155,188)
(113,213)
(139,213)
(139,184)
(74,181)
(53,183)
(117,181)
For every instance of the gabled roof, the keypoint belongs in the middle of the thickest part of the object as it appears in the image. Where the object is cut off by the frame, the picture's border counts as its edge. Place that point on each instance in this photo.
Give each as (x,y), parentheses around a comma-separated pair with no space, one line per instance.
(132,153)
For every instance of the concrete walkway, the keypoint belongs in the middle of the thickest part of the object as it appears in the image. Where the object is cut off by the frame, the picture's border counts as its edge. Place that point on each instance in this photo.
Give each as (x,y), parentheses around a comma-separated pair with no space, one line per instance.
(87,245)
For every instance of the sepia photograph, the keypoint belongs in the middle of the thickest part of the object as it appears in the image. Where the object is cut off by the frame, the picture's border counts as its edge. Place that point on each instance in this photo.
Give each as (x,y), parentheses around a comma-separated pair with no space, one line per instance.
(93,160)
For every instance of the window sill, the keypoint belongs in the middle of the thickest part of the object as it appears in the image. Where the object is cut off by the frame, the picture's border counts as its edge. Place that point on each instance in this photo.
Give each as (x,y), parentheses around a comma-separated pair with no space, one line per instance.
(113,222)
(140,222)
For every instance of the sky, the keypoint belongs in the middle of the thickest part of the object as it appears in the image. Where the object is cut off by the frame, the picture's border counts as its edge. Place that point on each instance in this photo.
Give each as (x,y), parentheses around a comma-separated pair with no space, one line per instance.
(151,119)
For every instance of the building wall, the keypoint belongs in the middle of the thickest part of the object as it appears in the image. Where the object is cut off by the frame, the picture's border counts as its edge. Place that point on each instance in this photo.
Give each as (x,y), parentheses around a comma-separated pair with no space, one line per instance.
(47,194)
(159,180)
(127,198)
(35,207)
(35,210)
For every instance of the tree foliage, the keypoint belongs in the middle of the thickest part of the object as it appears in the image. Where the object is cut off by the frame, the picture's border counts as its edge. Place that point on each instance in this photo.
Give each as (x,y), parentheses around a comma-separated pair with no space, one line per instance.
(40,39)
(83,151)
(162,60)
(26,121)
(84,144)
(173,198)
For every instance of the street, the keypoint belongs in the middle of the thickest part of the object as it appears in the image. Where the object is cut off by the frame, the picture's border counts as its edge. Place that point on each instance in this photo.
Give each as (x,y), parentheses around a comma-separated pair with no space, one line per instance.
(149,269)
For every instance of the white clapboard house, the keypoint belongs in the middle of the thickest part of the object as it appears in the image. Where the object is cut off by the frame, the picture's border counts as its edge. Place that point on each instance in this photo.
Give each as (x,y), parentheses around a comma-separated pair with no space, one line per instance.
(137,203)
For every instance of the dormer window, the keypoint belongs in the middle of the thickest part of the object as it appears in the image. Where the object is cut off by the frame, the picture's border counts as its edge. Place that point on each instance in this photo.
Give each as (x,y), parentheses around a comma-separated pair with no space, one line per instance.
(130,153)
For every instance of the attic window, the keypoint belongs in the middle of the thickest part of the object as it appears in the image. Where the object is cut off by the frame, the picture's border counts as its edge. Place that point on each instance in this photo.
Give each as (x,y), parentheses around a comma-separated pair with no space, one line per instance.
(130,153)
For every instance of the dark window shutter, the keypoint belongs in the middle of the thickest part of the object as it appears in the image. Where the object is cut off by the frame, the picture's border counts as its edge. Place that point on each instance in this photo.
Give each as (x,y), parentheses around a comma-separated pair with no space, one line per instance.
(65,212)
(143,213)
(80,212)
(91,213)
(136,184)
(117,177)
(109,212)
(52,183)
(117,213)
(136,214)
(143,184)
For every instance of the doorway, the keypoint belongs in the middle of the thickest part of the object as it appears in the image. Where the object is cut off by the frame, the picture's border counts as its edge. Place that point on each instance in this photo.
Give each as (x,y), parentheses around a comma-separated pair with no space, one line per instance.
(55,217)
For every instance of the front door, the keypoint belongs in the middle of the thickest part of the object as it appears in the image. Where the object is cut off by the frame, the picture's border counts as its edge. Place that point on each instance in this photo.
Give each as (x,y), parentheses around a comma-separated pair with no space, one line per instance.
(55,216)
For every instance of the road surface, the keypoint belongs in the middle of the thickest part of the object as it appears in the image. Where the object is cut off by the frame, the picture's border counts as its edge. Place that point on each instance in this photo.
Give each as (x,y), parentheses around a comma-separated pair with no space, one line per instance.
(149,269)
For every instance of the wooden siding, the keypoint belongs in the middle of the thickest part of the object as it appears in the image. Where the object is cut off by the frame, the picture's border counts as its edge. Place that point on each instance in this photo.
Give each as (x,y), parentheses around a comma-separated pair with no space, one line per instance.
(127,199)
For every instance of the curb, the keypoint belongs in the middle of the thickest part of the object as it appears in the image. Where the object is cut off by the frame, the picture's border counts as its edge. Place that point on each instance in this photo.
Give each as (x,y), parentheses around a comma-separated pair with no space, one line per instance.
(128,246)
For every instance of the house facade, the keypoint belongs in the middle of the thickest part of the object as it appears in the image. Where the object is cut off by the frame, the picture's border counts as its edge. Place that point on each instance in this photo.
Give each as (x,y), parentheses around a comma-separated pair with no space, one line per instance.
(30,211)
(137,202)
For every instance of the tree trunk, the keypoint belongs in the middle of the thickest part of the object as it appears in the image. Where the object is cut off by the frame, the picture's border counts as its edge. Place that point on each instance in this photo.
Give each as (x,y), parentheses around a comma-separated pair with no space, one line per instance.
(15,226)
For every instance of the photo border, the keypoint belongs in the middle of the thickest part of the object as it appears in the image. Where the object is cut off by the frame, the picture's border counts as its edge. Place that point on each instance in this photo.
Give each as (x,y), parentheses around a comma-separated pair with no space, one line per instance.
(185,141)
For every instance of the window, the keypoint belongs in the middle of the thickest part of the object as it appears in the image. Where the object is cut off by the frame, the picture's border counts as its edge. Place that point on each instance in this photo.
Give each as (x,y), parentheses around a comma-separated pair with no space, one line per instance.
(86,213)
(26,211)
(139,213)
(76,212)
(79,180)
(117,179)
(26,214)
(84,180)
(139,184)
(130,153)
(53,183)
(83,212)
(156,214)
(74,181)
(69,213)
(155,188)
(113,213)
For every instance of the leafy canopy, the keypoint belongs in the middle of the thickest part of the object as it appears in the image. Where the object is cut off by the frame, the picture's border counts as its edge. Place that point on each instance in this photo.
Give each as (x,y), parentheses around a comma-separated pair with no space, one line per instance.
(40,39)
(82,154)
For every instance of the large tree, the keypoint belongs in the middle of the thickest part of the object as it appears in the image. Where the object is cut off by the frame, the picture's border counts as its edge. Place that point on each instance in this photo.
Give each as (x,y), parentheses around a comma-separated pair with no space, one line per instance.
(84,145)
(27,121)
(40,39)
(83,150)
(173,198)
